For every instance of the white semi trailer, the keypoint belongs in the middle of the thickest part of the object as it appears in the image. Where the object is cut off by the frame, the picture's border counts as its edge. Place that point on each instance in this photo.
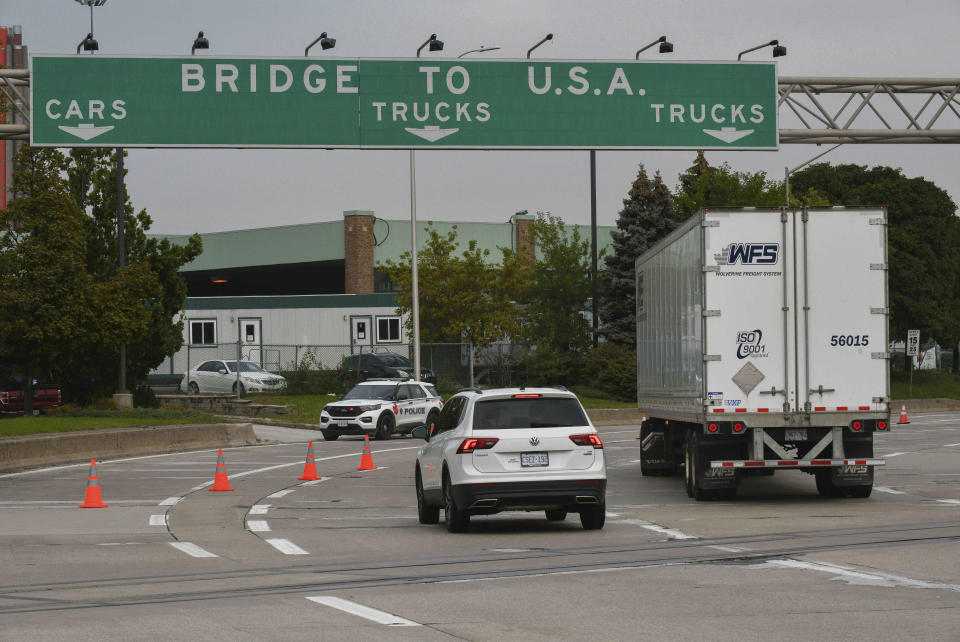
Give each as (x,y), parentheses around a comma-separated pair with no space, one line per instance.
(762,345)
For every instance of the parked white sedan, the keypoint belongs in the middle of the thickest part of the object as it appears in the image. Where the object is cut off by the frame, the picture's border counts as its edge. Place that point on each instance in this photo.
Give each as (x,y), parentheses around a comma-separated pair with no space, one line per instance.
(221,376)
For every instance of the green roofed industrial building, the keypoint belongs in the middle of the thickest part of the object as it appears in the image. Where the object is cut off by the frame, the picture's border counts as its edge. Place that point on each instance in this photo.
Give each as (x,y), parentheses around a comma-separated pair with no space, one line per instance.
(314,284)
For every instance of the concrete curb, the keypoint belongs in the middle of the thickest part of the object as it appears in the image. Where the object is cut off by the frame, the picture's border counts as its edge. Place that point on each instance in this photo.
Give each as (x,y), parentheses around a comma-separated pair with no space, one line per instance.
(29,451)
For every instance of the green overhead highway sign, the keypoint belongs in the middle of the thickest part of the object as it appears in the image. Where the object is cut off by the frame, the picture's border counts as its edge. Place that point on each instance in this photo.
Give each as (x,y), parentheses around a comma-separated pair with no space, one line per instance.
(104,101)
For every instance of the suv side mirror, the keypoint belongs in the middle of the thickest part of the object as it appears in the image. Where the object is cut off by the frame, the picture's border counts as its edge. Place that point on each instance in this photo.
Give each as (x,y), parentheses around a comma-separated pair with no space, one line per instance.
(223,371)
(421,432)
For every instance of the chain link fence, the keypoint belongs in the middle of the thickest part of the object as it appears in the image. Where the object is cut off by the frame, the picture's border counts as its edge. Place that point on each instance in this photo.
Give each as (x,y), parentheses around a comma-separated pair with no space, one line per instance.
(319,369)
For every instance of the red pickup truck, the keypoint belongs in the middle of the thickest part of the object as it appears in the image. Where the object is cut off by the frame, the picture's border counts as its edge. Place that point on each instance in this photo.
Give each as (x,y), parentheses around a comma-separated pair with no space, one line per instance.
(45,395)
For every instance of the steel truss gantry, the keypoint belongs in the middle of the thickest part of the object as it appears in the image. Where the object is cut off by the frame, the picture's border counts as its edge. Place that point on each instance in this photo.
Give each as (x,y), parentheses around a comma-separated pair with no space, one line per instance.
(869,110)
(811,110)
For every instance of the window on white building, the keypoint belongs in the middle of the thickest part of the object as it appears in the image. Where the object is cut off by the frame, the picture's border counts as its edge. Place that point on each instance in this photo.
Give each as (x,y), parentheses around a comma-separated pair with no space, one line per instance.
(203,332)
(388,329)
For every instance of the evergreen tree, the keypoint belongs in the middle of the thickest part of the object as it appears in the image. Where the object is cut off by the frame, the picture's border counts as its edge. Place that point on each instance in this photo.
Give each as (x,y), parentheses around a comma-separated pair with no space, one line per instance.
(647,216)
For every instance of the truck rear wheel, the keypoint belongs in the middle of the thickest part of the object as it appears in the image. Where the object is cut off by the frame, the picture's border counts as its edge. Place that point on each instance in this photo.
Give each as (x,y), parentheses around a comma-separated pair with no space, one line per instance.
(825,485)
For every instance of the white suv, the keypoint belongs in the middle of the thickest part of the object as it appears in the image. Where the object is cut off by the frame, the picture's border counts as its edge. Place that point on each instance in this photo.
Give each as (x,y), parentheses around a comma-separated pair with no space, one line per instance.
(511,449)
(381,407)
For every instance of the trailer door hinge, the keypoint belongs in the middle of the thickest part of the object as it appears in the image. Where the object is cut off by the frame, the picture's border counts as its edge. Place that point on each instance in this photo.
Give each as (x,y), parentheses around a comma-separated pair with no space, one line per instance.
(773,391)
(878,266)
(879,355)
(879,311)
(711,357)
(819,390)
(711,313)
(879,399)
(878,221)
(710,223)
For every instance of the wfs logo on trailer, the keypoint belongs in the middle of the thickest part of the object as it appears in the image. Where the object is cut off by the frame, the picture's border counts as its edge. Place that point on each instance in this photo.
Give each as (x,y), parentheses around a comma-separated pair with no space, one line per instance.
(749,254)
(750,344)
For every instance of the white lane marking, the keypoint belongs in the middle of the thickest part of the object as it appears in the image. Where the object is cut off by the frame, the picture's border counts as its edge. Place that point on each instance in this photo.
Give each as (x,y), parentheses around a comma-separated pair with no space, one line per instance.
(609,514)
(203,485)
(281,493)
(101,462)
(258,525)
(380,617)
(852,576)
(259,509)
(158,520)
(669,532)
(895,454)
(952,445)
(192,549)
(884,489)
(38,502)
(728,549)
(315,481)
(170,501)
(286,546)
(949,501)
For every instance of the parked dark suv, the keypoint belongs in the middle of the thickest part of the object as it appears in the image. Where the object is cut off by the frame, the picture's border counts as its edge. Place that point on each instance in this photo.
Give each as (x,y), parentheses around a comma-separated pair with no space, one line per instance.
(381,364)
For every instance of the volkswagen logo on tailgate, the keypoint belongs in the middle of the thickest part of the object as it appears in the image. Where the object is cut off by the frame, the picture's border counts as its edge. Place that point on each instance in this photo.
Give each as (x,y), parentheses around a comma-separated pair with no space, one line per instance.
(534,441)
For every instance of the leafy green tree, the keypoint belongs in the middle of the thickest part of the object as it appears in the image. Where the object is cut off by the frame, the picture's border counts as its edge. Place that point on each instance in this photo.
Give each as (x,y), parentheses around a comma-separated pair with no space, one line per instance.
(54,311)
(554,301)
(92,177)
(462,296)
(703,185)
(647,216)
(922,236)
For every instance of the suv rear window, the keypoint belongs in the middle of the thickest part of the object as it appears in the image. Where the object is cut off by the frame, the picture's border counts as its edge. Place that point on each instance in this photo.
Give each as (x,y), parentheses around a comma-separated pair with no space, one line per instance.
(372,391)
(539,412)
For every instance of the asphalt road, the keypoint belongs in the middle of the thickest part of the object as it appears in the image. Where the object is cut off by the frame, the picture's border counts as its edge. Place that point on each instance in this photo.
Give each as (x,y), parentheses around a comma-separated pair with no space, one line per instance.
(345,559)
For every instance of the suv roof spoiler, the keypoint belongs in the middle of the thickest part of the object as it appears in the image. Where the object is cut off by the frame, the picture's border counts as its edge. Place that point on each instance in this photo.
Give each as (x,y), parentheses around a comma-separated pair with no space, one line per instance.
(476,390)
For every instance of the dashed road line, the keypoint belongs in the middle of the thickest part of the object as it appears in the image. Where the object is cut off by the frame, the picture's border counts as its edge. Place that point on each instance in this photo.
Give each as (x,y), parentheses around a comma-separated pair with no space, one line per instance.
(259,509)
(952,445)
(258,525)
(285,546)
(281,493)
(158,520)
(853,576)
(192,549)
(380,617)
(315,481)
(949,501)
(170,501)
(884,489)
(669,532)
(897,454)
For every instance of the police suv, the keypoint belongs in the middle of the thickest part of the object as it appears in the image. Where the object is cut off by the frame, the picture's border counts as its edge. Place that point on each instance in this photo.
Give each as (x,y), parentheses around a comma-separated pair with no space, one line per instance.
(381,407)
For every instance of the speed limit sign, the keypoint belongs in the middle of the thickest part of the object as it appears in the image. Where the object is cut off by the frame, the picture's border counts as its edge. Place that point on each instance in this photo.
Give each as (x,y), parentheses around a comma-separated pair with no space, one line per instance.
(913,343)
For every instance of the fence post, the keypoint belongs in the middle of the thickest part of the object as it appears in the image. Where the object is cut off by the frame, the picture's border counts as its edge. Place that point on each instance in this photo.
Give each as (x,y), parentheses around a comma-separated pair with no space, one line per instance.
(186,374)
(471,364)
(296,357)
(238,368)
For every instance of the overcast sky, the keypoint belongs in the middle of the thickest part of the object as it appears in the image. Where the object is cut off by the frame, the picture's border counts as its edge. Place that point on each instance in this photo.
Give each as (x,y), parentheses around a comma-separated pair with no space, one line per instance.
(211,190)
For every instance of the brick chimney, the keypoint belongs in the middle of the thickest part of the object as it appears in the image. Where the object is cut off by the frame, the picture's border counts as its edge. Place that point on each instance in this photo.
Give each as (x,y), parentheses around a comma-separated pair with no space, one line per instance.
(358,251)
(524,241)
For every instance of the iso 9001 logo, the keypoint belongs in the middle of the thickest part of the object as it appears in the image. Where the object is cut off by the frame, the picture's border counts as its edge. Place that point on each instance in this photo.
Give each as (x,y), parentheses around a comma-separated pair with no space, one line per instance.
(750,344)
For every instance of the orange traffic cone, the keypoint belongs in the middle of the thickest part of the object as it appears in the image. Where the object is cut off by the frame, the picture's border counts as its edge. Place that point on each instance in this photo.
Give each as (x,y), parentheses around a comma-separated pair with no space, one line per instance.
(310,468)
(220,481)
(92,498)
(366,459)
(903,415)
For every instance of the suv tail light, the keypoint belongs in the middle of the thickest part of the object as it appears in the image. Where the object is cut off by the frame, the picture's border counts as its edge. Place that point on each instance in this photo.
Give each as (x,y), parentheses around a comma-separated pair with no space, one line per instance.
(527,395)
(592,439)
(476,443)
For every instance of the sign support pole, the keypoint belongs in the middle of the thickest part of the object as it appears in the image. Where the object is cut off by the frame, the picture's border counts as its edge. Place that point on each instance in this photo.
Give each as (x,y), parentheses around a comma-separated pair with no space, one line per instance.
(415,298)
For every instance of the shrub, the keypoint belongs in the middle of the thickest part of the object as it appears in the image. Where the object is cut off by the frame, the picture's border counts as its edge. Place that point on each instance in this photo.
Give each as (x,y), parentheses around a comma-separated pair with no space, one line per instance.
(144,397)
(612,368)
(104,404)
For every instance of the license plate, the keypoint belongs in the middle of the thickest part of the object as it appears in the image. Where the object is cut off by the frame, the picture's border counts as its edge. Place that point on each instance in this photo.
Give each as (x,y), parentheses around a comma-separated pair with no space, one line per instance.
(341,424)
(534,459)
(796,434)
